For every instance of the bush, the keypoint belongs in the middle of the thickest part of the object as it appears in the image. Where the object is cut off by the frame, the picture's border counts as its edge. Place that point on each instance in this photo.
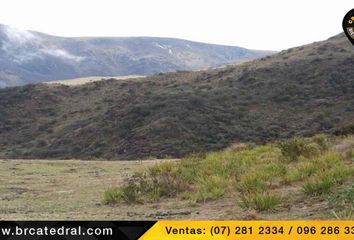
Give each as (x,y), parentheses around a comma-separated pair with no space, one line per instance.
(164,179)
(301,172)
(260,201)
(322,141)
(128,194)
(345,130)
(161,180)
(330,172)
(210,188)
(252,184)
(318,187)
(295,147)
(112,195)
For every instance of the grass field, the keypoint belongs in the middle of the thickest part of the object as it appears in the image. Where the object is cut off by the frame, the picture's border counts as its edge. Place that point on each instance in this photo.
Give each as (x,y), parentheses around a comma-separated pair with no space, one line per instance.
(35,189)
(74,189)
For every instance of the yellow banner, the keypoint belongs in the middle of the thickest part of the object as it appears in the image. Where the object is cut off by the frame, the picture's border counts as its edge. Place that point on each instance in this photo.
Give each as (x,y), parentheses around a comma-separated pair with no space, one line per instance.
(251,230)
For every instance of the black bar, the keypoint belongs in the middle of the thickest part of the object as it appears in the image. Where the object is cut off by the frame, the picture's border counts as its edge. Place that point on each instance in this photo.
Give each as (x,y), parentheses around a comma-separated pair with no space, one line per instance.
(74,230)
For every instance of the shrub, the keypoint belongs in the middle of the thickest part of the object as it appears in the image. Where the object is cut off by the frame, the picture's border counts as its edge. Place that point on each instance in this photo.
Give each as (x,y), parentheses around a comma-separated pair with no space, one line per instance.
(321,140)
(345,130)
(165,179)
(338,174)
(252,183)
(260,201)
(112,195)
(301,172)
(295,147)
(128,194)
(210,188)
(318,187)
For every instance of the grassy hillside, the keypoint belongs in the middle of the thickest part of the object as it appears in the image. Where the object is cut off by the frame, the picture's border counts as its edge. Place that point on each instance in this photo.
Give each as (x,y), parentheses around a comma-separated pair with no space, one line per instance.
(300,91)
(272,178)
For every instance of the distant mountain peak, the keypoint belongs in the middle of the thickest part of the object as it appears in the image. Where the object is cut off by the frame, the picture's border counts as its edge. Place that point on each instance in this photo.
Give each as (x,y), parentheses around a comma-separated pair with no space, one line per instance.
(30,57)
(300,91)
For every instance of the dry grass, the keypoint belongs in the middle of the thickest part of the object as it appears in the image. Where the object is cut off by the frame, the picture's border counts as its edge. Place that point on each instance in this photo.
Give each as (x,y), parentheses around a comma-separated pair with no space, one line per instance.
(256,177)
(74,189)
(84,80)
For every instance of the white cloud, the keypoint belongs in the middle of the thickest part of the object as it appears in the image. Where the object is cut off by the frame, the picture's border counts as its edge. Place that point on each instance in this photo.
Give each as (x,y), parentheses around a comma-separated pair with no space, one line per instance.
(61,53)
(19,36)
(24,46)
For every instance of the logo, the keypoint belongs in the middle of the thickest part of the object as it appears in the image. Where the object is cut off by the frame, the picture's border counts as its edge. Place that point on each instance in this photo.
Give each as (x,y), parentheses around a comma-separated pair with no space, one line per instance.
(348,25)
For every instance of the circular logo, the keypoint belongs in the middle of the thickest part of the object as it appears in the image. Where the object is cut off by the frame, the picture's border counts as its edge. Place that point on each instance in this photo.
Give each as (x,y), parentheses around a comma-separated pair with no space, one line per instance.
(348,25)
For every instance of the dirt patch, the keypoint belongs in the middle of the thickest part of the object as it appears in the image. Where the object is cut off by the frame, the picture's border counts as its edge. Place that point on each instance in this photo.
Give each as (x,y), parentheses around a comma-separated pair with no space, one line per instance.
(12,193)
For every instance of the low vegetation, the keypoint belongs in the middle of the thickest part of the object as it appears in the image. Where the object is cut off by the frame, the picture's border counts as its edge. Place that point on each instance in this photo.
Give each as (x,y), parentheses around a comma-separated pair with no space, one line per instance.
(257,177)
(268,99)
(260,201)
(217,187)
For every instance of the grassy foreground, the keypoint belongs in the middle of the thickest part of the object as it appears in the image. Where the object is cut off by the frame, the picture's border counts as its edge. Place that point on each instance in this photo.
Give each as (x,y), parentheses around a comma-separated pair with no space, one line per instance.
(242,182)
(270,178)
(70,189)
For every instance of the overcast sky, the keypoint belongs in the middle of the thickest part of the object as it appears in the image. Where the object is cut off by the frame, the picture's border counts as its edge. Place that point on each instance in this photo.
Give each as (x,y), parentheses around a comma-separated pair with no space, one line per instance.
(255,24)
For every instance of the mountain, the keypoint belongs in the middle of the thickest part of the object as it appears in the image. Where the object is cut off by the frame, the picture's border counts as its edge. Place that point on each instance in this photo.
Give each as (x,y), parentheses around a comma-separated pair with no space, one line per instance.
(299,91)
(30,57)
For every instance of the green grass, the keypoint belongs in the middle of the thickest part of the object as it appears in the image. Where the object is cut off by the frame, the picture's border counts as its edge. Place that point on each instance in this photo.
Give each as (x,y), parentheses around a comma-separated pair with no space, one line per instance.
(344,214)
(329,171)
(302,171)
(257,176)
(318,187)
(112,195)
(251,183)
(249,171)
(202,178)
(342,202)
(294,148)
(209,188)
(260,201)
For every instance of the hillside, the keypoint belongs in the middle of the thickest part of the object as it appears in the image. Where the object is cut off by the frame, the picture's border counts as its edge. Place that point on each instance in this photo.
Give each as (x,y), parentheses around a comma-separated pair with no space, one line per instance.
(303,90)
(29,57)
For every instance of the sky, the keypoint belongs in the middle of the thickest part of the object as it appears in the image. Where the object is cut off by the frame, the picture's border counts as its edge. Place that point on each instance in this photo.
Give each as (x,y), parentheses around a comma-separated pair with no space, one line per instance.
(254,24)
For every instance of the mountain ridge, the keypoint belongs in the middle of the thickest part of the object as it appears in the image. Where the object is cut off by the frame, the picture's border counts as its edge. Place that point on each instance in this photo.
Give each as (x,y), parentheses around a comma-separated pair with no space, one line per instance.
(30,57)
(299,91)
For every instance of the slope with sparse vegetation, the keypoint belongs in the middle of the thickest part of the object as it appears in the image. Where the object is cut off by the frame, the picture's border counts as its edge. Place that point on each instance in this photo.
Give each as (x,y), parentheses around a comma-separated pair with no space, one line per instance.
(300,91)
